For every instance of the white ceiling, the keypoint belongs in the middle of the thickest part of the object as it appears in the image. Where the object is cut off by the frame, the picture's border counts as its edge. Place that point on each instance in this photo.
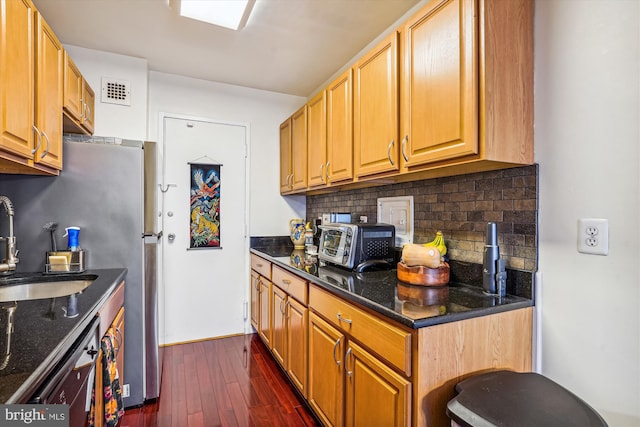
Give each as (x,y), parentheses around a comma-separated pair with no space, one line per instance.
(288,46)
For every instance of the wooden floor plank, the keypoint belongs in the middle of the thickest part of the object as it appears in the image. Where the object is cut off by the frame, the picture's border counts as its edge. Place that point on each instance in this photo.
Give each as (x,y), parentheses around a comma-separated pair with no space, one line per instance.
(230,382)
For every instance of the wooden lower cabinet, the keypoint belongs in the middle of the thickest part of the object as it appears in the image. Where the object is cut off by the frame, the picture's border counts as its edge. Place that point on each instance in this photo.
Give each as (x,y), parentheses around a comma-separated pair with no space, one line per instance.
(264,301)
(358,368)
(349,386)
(117,329)
(297,344)
(255,308)
(326,376)
(111,323)
(278,324)
(375,394)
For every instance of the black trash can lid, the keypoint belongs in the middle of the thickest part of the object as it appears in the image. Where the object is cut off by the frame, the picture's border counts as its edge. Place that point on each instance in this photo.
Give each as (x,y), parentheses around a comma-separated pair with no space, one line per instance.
(506,398)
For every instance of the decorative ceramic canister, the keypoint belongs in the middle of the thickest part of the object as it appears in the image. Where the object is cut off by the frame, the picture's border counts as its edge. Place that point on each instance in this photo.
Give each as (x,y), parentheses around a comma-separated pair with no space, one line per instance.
(297,232)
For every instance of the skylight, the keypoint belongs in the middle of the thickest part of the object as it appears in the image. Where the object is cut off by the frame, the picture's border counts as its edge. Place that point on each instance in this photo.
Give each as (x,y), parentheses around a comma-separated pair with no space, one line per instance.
(231,14)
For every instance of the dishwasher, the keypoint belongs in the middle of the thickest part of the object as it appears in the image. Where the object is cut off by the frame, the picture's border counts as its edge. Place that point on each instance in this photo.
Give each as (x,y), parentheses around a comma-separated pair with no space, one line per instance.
(71,381)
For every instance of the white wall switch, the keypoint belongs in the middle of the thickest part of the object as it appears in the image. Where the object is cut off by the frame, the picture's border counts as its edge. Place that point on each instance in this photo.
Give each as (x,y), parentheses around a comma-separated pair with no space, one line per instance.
(593,236)
(125,390)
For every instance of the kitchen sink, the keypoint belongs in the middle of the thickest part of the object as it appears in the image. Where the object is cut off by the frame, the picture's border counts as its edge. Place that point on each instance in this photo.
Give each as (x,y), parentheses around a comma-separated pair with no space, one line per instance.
(30,286)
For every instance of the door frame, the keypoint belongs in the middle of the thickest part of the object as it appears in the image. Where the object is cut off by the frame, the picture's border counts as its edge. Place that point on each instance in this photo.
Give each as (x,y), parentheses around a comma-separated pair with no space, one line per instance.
(245,274)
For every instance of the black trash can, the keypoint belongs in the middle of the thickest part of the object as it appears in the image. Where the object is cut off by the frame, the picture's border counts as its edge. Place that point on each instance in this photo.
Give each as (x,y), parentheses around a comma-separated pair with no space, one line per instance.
(506,398)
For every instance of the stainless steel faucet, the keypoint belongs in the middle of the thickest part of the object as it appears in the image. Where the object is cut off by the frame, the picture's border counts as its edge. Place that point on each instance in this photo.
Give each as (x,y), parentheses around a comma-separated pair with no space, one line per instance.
(9,263)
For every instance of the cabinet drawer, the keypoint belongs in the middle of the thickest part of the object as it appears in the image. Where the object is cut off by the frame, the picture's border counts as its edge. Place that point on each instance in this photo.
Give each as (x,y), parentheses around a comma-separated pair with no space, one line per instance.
(291,284)
(388,341)
(262,266)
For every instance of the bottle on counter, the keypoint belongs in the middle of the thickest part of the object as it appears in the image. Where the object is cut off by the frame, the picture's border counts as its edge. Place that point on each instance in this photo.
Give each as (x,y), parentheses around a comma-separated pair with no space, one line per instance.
(73,240)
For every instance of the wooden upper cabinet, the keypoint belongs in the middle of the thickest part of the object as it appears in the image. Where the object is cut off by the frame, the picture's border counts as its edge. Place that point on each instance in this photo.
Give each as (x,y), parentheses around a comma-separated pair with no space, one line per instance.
(79,100)
(17,68)
(375,109)
(340,128)
(285,156)
(31,87)
(299,149)
(439,88)
(49,93)
(89,100)
(73,83)
(317,140)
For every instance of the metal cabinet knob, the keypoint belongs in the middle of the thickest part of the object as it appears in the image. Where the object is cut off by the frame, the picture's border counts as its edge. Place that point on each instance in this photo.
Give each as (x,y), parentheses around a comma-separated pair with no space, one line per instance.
(171,237)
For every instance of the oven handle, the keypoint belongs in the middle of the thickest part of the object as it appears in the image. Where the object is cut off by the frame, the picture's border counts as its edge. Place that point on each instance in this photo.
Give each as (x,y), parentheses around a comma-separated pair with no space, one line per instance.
(65,366)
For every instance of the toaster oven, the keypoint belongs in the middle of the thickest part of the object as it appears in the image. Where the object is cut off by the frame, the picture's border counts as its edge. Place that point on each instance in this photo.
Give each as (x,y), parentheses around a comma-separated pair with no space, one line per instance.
(357,246)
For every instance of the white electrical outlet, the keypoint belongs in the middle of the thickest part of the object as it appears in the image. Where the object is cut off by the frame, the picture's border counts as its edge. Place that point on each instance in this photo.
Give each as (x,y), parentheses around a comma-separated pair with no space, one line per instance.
(593,236)
(125,390)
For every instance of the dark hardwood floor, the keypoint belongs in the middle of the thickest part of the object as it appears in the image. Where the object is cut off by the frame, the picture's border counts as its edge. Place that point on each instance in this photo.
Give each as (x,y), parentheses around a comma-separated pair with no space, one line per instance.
(225,382)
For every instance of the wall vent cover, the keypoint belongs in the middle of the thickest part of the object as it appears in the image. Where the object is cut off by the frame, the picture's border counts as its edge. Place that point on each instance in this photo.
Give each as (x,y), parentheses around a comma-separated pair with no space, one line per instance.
(116,91)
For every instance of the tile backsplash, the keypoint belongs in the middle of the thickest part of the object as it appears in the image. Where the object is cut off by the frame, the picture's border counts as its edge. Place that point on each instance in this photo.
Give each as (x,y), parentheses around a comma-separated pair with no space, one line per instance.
(459,206)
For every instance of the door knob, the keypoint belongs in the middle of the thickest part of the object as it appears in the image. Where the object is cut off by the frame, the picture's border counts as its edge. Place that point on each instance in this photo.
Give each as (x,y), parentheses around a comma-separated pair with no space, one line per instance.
(171,237)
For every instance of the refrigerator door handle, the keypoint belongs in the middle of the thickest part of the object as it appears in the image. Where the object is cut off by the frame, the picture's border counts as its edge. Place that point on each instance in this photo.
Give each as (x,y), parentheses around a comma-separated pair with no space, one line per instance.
(158,234)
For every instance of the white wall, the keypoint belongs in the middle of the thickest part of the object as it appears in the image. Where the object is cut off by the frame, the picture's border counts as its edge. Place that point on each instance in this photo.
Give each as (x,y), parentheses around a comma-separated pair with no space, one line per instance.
(263,111)
(587,135)
(129,122)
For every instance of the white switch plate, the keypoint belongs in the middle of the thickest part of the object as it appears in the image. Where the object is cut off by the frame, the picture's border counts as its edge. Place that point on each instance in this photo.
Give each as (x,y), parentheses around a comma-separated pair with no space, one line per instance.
(593,236)
(125,390)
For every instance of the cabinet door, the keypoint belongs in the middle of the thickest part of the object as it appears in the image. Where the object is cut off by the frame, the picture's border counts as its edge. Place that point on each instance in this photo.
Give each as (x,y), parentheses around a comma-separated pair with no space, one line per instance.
(375,109)
(73,83)
(340,128)
(278,324)
(326,376)
(49,94)
(118,331)
(296,354)
(317,141)
(264,297)
(440,83)
(255,304)
(88,100)
(299,149)
(375,394)
(17,86)
(285,156)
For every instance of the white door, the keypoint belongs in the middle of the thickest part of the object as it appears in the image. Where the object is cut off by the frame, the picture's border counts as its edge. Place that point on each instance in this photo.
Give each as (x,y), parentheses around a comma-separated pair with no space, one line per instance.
(204,289)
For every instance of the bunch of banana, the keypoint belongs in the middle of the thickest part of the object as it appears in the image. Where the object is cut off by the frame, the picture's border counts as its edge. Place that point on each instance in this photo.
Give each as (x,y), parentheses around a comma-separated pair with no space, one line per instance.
(438,242)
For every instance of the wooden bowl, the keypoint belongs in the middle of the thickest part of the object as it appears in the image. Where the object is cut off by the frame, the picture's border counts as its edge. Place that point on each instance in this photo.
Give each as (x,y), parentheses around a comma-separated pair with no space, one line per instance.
(424,276)
(423,295)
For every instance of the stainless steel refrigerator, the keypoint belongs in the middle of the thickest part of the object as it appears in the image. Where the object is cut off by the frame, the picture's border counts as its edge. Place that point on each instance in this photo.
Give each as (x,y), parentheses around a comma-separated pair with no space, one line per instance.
(109,191)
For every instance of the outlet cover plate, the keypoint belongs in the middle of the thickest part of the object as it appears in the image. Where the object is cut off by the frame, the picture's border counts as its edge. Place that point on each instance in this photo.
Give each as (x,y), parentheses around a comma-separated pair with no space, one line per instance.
(593,236)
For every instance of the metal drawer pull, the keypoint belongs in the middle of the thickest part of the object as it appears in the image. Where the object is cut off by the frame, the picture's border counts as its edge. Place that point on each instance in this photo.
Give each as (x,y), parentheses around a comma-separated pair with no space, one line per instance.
(389,152)
(118,341)
(327,172)
(335,347)
(46,151)
(342,319)
(38,137)
(259,265)
(286,309)
(346,357)
(404,142)
(286,281)
(281,307)
(321,177)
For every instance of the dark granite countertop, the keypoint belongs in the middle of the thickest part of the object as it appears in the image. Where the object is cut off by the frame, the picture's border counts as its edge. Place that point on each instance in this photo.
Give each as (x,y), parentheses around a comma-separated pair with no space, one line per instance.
(42,334)
(413,306)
